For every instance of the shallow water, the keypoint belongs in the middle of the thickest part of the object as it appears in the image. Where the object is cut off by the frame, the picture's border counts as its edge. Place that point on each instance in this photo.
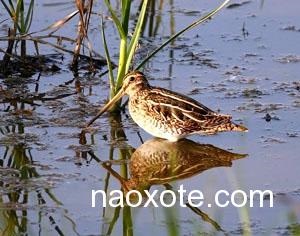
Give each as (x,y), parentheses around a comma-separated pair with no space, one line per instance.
(47,173)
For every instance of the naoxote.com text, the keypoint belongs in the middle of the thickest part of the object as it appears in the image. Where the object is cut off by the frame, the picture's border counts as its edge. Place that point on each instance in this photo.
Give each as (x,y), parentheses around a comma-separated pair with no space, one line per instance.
(168,198)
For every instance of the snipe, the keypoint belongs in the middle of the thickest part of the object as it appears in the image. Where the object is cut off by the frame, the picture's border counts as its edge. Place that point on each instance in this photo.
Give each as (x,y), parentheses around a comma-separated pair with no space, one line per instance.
(167,114)
(159,162)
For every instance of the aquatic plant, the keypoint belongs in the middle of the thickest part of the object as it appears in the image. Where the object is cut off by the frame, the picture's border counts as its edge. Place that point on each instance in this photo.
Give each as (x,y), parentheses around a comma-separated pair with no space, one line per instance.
(85,10)
(21,18)
(127,47)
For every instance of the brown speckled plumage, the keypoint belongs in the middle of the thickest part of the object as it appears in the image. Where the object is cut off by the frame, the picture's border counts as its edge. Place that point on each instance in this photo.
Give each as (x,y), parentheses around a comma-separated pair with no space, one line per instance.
(167,114)
(172,112)
(159,161)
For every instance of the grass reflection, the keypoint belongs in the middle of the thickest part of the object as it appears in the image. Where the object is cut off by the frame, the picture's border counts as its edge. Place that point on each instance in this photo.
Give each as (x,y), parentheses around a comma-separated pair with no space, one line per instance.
(21,186)
(117,135)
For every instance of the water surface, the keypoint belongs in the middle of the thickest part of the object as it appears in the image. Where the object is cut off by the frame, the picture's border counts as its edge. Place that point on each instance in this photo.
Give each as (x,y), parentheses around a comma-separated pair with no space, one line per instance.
(244,62)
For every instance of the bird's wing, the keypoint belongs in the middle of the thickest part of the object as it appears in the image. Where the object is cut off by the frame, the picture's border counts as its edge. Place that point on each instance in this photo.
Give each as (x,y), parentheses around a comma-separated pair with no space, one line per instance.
(187,113)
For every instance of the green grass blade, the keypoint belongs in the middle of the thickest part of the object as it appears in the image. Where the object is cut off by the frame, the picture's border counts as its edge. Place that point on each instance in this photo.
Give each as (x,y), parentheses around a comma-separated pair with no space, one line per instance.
(21,21)
(122,63)
(123,46)
(126,5)
(9,11)
(114,220)
(136,35)
(127,221)
(116,20)
(29,15)
(12,10)
(173,225)
(194,24)
(17,17)
(108,61)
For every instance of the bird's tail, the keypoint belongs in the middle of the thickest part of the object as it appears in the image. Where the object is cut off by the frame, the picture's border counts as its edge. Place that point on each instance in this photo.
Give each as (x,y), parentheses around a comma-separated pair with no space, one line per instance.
(236,127)
(221,123)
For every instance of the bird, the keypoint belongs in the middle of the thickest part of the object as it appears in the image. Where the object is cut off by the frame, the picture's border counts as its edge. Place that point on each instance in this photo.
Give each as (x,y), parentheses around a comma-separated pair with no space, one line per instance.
(158,162)
(167,114)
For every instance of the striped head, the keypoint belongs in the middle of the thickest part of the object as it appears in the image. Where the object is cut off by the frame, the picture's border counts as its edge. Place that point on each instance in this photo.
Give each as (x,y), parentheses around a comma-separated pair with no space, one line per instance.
(133,82)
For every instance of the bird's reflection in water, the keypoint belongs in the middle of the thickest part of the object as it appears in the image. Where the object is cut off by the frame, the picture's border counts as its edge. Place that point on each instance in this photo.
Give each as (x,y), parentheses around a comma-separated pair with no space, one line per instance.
(159,161)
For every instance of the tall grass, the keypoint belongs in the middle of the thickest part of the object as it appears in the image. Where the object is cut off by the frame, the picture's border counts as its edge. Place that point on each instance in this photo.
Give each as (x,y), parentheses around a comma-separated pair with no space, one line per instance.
(85,11)
(21,17)
(127,47)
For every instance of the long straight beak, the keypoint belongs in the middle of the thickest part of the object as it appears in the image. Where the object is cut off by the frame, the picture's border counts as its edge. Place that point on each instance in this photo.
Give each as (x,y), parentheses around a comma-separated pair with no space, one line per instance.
(109,105)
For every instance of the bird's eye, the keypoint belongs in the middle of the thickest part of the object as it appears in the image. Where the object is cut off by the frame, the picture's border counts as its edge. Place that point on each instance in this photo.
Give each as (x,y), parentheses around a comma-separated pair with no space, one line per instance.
(131,79)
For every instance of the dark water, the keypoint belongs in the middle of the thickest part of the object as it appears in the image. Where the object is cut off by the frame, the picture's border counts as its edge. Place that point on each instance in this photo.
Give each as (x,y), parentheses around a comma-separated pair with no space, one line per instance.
(244,62)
